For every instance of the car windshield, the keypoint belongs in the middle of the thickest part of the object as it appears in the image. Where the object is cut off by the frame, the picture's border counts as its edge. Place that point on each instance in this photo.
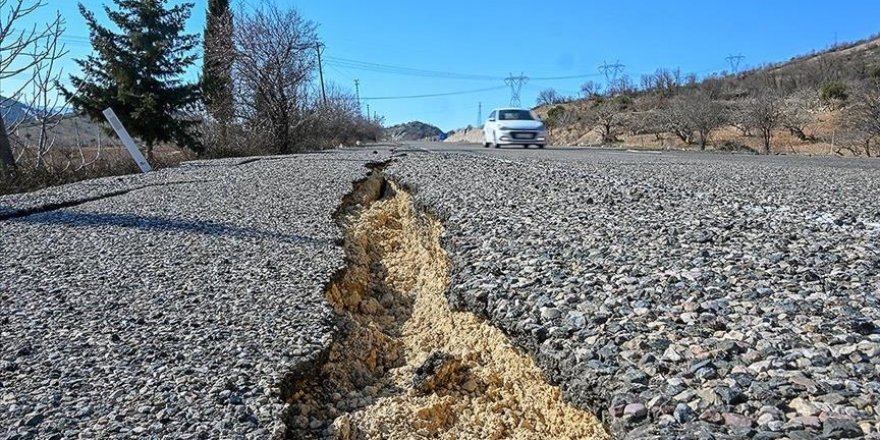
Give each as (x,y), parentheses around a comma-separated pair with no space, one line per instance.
(515,115)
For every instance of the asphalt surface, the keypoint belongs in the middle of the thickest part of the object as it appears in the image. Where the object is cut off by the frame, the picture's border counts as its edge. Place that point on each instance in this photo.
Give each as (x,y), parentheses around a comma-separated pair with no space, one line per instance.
(171,305)
(678,295)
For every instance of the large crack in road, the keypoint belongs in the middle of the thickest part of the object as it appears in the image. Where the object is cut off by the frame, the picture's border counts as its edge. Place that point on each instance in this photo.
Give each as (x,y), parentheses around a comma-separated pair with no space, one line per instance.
(406,365)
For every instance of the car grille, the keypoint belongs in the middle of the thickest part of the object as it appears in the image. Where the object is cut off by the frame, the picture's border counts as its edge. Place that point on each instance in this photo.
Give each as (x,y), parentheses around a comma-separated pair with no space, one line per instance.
(522,134)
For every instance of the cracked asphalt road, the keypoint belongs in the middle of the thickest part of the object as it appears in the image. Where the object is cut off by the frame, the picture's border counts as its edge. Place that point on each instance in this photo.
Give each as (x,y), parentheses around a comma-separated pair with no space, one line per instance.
(678,295)
(170,305)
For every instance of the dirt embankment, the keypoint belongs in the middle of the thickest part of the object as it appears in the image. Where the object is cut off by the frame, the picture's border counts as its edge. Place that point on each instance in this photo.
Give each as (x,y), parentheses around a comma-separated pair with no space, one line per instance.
(473,135)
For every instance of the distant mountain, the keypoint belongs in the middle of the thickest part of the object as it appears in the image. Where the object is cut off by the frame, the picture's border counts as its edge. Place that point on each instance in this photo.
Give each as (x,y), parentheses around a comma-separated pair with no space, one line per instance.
(412,131)
(14,111)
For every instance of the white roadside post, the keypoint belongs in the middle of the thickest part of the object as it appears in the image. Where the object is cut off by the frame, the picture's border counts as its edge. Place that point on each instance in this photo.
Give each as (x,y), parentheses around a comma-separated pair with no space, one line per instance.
(127,141)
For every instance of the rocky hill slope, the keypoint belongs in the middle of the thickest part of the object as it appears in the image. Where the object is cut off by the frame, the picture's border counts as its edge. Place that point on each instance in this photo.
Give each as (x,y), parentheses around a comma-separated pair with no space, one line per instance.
(818,96)
(412,131)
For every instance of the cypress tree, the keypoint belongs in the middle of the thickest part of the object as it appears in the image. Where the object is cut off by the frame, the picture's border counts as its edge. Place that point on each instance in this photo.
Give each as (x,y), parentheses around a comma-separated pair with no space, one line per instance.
(219,55)
(139,71)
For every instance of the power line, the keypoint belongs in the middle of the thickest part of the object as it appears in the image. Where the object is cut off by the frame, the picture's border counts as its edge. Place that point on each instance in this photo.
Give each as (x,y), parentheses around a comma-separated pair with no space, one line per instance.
(433,95)
(557,78)
(407,71)
(516,84)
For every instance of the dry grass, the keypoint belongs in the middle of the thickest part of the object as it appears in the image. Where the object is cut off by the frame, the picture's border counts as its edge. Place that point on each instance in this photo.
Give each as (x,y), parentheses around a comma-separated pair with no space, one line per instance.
(80,150)
(72,165)
(825,127)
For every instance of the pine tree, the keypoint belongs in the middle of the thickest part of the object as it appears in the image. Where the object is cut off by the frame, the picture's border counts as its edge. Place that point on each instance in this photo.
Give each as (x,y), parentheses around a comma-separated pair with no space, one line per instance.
(219,54)
(138,71)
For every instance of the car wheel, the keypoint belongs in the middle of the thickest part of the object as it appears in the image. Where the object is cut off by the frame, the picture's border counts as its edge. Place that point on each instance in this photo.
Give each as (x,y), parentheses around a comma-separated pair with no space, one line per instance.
(486,144)
(541,146)
(526,146)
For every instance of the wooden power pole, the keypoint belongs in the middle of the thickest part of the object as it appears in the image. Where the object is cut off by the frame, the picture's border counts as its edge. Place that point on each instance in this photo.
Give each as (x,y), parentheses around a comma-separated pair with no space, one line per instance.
(319,47)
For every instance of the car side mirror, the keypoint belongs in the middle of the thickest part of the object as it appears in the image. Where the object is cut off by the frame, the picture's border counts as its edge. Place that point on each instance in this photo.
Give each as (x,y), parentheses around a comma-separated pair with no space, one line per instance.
(491,119)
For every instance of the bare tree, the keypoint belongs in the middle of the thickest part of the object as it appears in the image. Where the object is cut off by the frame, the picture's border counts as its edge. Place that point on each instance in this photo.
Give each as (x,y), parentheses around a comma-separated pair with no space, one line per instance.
(45,100)
(863,117)
(623,85)
(696,113)
(591,89)
(666,82)
(651,122)
(608,115)
(275,57)
(21,50)
(798,113)
(549,97)
(765,112)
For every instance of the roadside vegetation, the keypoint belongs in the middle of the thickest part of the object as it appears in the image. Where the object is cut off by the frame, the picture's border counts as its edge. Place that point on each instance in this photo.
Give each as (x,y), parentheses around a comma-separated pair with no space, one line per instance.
(824,103)
(258,92)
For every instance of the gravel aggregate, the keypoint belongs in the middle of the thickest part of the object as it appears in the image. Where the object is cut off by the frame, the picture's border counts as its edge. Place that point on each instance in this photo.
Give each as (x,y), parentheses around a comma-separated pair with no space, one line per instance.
(682,296)
(171,305)
(677,295)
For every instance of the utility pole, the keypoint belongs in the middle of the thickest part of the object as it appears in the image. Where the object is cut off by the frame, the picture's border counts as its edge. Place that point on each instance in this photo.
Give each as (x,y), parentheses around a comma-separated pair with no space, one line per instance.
(368,110)
(516,84)
(320,48)
(357,93)
(735,61)
(480,114)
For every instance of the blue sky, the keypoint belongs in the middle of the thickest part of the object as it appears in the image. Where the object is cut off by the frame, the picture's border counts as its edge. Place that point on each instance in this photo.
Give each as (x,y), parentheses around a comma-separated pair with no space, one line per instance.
(487,40)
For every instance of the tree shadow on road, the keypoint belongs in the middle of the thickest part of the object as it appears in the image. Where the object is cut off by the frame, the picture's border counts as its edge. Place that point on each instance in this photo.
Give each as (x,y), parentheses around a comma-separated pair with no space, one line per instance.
(154,223)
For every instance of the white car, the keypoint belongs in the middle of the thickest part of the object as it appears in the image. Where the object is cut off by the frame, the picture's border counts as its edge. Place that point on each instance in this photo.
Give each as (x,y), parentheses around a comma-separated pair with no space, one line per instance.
(514,126)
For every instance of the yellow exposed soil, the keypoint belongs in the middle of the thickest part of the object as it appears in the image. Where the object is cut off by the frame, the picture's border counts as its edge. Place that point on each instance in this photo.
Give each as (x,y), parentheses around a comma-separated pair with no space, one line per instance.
(392,297)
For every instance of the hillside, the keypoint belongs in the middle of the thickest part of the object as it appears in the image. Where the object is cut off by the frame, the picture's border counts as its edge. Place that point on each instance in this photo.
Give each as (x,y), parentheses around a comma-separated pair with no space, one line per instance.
(14,111)
(851,56)
(412,131)
(467,135)
(817,100)
(71,131)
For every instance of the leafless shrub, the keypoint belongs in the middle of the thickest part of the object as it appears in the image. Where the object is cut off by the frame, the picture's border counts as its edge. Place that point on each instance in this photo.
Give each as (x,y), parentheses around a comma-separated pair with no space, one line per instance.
(609,116)
(275,56)
(665,82)
(278,107)
(22,49)
(799,109)
(45,101)
(549,97)
(863,120)
(591,89)
(652,122)
(694,115)
(623,85)
(765,113)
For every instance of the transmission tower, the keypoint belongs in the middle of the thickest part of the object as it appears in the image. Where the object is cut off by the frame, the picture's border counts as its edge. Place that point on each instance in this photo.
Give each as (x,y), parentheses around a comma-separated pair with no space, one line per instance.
(516,84)
(735,61)
(480,114)
(611,71)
